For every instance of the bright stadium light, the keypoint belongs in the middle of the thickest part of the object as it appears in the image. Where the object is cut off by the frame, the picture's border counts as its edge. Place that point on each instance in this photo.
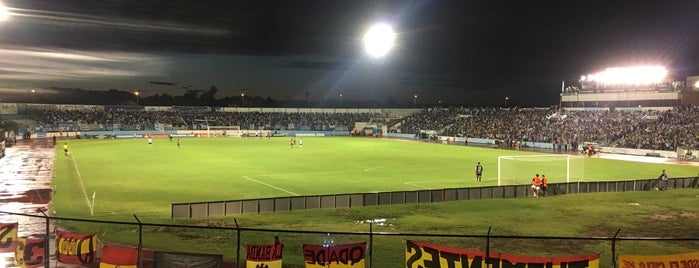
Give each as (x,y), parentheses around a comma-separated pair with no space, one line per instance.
(379,39)
(4,13)
(639,75)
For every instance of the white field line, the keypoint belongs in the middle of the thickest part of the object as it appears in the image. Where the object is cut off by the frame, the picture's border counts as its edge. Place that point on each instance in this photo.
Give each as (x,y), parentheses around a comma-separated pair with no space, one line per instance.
(329,172)
(267,184)
(80,179)
(418,183)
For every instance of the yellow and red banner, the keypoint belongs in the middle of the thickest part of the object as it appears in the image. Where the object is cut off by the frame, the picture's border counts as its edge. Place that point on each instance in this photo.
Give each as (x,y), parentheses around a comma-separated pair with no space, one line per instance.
(119,257)
(30,252)
(340,256)
(8,237)
(688,260)
(269,256)
(75,248)
(420,254)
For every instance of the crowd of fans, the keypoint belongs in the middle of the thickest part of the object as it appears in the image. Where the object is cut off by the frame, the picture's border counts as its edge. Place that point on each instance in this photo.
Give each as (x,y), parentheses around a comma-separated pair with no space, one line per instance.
(656,130)
(649,129)
(72,120)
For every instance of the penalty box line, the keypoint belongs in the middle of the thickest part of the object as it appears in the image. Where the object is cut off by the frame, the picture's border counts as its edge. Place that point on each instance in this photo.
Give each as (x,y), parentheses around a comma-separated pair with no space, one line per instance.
(269,185)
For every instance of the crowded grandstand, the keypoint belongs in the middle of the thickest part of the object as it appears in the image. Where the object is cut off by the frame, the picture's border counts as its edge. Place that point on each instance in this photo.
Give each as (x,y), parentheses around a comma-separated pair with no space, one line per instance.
(602,110)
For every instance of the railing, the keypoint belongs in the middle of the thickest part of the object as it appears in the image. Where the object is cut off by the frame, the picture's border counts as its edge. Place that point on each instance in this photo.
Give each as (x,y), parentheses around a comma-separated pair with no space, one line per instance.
(383,249)
(291,203)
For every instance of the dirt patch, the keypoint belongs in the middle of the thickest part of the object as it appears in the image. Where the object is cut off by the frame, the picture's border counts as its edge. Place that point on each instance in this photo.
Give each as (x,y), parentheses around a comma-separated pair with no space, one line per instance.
(663,217)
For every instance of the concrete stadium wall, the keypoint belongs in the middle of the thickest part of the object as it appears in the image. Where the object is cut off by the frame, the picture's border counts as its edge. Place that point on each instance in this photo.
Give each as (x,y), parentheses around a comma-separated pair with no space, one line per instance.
(263,205)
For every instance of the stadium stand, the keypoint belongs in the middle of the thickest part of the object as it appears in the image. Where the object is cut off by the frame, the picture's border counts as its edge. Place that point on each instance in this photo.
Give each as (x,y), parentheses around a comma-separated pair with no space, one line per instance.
(638,129)
(92,119)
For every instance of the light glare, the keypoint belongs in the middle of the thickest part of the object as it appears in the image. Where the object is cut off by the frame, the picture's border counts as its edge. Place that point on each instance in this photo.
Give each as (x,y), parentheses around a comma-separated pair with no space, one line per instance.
(379,40)
(639,75)
(4,13)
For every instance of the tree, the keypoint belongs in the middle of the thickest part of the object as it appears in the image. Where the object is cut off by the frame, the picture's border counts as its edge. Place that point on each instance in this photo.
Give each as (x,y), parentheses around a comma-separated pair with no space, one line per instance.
(209,98)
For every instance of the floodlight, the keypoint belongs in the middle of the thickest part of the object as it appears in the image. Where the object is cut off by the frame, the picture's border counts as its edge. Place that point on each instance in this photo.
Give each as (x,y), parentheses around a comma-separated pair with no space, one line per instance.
(4,13)
(696,85)
(379,39)
(638,75)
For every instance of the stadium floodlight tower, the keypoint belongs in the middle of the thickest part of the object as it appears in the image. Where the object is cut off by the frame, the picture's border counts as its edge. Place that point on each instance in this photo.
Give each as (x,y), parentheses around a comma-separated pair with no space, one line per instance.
(379,39)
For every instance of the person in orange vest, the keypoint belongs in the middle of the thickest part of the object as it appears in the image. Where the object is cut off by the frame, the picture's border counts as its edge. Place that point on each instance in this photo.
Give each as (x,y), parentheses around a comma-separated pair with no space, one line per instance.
(536,184)
(544,185)
(589,149)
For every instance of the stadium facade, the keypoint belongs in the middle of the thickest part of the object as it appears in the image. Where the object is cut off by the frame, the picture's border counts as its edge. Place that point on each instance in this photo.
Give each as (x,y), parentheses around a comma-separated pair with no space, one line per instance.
(586,94)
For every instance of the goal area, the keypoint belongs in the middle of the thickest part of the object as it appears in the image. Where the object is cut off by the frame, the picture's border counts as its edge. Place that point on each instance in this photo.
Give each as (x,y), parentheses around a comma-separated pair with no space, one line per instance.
(520,169)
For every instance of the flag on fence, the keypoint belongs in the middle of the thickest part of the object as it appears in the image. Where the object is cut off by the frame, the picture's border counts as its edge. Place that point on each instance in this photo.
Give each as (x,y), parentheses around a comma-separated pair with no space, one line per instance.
(30,252)
(690,259)
(420,254)
(340,256)
(8,237)
(119,257)
(75,248)
(269,256)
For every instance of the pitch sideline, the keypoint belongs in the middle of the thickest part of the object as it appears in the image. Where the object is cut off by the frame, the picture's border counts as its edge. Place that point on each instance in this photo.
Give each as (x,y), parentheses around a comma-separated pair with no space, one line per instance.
(82,185)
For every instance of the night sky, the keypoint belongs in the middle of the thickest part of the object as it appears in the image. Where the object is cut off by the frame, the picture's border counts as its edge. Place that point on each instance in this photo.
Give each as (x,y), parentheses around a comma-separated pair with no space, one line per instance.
(458,52)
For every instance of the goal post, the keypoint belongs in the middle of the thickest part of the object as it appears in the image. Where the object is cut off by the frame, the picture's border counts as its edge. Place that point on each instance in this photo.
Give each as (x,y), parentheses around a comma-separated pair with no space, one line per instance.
(521,169)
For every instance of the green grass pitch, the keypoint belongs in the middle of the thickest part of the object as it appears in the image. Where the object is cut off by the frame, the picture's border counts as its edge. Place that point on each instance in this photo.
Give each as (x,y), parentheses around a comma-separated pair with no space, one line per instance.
(128,176)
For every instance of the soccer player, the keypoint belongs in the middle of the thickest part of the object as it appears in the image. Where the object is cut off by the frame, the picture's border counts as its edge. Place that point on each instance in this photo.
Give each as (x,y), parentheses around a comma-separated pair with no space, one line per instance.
(536,184)
(300,142)
(479,172)
(65,149)
(544,185)
(178,143)
(150,141)
(662,184)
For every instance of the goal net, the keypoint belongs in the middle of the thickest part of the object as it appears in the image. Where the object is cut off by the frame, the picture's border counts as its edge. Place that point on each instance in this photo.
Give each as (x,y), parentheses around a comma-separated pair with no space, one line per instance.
(521,169)
(224,131)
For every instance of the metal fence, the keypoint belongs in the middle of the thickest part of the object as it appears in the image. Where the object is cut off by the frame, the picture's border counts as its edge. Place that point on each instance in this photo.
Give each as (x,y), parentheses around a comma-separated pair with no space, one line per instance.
(383,249)
(275,204)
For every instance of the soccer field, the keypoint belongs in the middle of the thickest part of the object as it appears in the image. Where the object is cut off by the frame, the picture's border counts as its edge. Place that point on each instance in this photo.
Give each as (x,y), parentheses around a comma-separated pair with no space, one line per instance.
(128,176)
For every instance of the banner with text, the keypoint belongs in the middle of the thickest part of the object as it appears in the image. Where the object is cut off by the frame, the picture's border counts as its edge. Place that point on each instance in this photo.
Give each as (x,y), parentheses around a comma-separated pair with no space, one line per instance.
(269,256)
(8,236)
(75,248)
(119,257)
(340,256)
(30,252)
(689,260)
(423,255)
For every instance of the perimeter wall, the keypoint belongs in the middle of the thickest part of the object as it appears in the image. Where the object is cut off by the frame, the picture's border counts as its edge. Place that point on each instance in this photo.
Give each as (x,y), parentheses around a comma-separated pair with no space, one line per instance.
(290,203)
